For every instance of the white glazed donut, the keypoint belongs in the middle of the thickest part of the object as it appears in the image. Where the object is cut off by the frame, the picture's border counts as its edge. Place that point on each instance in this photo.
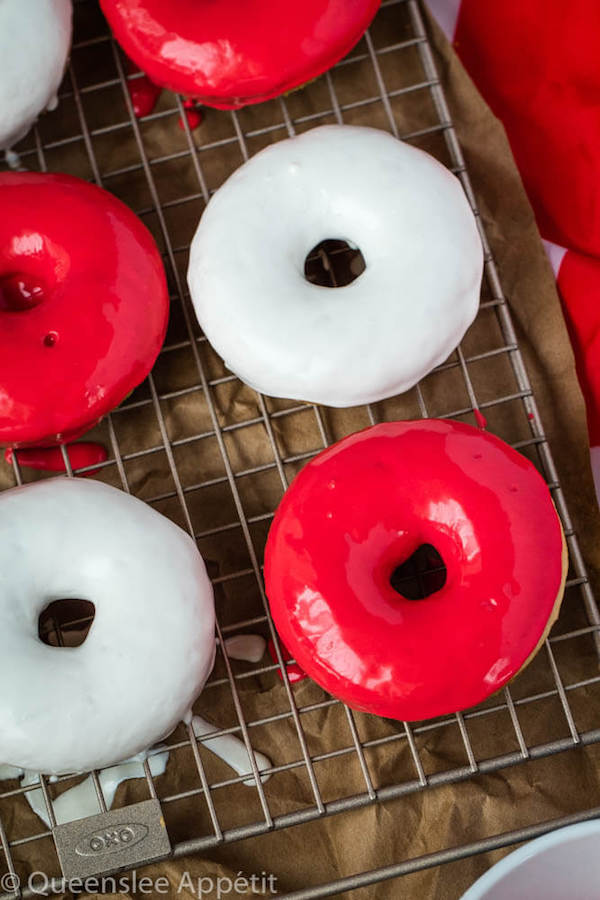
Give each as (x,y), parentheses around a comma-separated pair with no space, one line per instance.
(151,645)
(35,36)
(373,338)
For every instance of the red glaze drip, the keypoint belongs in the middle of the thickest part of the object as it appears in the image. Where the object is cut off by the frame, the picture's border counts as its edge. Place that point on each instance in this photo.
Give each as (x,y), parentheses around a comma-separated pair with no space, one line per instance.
(294,672)
(360,509)
(143,92)
(229,54)
(50,459)
(84,306)
(192,113)
(480,419)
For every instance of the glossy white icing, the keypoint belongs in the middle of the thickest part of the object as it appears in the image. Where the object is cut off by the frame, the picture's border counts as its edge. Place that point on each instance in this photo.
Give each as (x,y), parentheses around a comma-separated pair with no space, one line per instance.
(373,338)
(35,36)
(150,647)
(247,647)
(231,750)
(7,772)
(82,800)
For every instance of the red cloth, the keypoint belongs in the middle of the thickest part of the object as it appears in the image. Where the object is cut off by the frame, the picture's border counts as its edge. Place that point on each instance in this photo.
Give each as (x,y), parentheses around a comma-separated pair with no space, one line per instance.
(537,63)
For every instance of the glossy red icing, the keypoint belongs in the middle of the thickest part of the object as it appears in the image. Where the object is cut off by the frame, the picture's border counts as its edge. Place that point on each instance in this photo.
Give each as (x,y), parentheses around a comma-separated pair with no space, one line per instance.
(50,459)
(84,306)
(360,509)
(234,52)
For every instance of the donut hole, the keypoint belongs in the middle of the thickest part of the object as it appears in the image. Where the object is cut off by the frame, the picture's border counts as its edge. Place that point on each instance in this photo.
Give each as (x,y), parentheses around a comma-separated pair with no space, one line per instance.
(421,575)
(20,291)
(334,263)
(66,622)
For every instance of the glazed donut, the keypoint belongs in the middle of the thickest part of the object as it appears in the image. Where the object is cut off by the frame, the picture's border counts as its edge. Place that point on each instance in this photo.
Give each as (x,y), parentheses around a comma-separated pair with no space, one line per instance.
(35,38)
(83,306)
(232,53)
(151,645)
(359,510)
(372,338)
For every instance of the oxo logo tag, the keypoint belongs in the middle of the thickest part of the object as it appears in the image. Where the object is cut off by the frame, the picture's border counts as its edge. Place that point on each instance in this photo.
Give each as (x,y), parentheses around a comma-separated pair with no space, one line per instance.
(111,840)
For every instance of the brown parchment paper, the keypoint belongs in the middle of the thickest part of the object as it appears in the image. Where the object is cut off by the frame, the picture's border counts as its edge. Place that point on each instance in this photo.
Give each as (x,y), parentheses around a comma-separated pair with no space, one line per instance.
(421,821)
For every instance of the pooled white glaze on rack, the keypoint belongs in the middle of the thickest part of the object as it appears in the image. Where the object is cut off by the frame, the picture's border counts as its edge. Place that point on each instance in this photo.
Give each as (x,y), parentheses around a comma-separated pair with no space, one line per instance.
(151,645)
(35,37)
(81,800)
(231,750)
(373,338)
(246,647)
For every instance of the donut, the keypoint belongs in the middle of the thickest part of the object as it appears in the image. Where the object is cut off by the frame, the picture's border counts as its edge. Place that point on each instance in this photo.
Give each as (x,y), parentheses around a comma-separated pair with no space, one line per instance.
(361,509)
(233,53)
(151,644)
(372,338)
(35,37)
(83,306)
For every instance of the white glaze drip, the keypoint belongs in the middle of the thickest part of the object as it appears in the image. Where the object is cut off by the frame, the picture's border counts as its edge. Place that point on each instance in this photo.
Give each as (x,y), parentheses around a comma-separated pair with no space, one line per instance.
(81,801)
(13,160)
(231,750)
(247,647)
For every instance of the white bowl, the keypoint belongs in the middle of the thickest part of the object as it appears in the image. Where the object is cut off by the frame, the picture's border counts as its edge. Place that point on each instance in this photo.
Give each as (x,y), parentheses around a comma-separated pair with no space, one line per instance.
(561,865)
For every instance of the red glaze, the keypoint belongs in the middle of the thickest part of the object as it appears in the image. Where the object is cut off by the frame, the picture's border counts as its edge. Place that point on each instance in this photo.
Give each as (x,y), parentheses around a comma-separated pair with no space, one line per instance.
(192,113)
(143,92)
(228,53)
(294,672)
(83,306)
(50,459)
(480,419)
(361,508)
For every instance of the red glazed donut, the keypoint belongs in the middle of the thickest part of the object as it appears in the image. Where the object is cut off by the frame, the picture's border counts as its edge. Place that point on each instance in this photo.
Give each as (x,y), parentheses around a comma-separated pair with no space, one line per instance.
(361,508)
(83,306)
(234,52)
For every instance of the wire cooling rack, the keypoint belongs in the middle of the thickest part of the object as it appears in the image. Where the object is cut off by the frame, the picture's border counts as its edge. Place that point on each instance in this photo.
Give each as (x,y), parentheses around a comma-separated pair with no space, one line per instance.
(192,416)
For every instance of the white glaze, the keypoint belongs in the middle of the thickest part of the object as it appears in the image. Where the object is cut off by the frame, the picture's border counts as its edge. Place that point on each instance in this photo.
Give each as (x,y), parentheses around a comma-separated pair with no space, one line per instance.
(81,800)
(150,647)
(373,338)
(7,772)
(35,36)
(231,750)
(246,647)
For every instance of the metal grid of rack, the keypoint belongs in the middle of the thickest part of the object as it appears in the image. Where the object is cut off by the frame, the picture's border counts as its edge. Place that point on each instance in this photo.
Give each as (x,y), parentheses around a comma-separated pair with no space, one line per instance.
(191,417)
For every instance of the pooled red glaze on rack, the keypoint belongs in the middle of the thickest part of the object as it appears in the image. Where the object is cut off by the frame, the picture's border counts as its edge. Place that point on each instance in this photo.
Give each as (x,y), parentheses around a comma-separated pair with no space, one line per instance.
(361,508)
(192,113)
(144,95)
(294,672)
(232,53)
(83,306)
(143,92)
(50,459)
